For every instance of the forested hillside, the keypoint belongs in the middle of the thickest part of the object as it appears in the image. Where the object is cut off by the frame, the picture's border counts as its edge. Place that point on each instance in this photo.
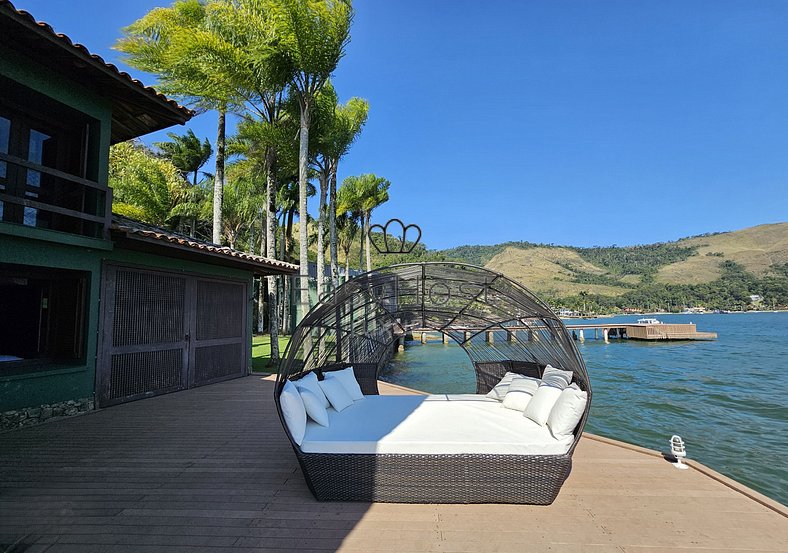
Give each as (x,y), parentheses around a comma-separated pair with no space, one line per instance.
(715,271)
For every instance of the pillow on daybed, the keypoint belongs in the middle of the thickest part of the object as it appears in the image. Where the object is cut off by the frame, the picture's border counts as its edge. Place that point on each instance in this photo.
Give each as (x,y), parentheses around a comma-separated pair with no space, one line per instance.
(521,390)
(556,377)
(336,393)
(567,411)
(538,409)
(293,411)
(500,389)
(311,383)
(313,405)
(348,380)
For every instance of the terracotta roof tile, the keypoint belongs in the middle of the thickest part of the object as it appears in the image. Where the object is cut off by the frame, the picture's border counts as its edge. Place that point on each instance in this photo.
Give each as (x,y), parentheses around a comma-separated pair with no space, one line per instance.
(137,228)
(98,60)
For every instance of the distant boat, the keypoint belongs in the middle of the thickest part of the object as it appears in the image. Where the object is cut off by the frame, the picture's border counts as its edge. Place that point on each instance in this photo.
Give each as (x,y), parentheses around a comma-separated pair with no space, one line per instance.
(649,322)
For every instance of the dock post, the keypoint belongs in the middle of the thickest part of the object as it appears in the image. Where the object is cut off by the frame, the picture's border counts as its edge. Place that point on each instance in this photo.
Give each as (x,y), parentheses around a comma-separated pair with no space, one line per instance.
(466,335)
(423,337)
(596,334)
(604,335)
(401,344)
(511,337)
(490,337)
(582,337)
(445,339)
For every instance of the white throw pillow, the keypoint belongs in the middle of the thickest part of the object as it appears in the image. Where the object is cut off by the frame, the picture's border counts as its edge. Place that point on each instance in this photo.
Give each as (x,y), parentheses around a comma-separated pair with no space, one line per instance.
(521,390)
(500,389)
(311,383)
(538,409)
(556,377)
(348,379)
(336,393)
(293,411)
(567,411)
(314,406)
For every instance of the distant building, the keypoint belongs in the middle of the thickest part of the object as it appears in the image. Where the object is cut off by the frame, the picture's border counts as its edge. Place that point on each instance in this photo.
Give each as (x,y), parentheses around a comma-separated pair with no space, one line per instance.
(755,298)
(96,309)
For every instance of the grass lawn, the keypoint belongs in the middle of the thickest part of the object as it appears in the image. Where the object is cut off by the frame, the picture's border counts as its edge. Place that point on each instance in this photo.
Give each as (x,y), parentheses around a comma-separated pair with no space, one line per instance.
(261,352)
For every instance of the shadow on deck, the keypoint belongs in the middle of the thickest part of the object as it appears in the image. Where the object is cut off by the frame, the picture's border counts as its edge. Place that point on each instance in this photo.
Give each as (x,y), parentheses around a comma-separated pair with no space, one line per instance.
(210,469)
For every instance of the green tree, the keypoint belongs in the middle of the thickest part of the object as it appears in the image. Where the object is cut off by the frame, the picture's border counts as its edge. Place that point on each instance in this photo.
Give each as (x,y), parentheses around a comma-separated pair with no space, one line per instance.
(336,128)
(365,193)
(166,42)
(312,35)
(187,153)
(145,186)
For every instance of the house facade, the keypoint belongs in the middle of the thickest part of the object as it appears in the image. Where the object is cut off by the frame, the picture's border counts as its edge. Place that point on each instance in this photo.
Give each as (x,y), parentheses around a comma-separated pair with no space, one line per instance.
(94,309)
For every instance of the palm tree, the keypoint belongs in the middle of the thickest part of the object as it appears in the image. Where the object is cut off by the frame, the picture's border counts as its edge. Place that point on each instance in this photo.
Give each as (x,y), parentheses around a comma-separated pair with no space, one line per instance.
(163,42)
(312,36)
(336,128)
(187,153)
(347,228)
(368,191)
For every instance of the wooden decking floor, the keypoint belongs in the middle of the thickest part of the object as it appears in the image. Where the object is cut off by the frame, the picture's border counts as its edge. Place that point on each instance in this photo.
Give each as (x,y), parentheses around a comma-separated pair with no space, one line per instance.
(210,469)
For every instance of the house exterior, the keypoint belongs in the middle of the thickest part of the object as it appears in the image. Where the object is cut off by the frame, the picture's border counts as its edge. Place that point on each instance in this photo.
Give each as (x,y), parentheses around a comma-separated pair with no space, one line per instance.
(94,309)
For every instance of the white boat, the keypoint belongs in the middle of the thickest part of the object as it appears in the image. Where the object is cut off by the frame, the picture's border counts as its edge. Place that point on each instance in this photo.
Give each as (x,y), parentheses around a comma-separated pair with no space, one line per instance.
(649,322)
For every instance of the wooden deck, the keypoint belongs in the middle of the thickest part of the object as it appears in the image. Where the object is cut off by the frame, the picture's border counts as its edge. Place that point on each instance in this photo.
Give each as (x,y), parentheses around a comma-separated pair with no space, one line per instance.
(209,469)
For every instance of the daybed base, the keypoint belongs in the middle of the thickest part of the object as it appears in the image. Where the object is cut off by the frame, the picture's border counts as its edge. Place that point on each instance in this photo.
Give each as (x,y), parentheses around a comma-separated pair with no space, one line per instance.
(532,479)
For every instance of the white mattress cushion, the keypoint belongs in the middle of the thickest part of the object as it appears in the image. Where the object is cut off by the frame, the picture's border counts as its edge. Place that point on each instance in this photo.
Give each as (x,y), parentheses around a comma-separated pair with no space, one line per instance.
(348,379)
(293,411)
(310,382)
(313,405)
(521,390)
(437,424)
(538,409)
(567,411)
(336,393)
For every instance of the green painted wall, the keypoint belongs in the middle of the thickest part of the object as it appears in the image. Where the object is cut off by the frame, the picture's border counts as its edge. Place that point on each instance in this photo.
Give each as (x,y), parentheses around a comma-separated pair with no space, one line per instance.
(63,382)
(31,74)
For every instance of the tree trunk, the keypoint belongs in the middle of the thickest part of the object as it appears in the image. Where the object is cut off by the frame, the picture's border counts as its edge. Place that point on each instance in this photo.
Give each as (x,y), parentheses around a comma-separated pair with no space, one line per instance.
(321,235)
(367,217)
(347,265)
(303,215)
(289,241)
(361,246)
(270,243)
(332,223)
(218,181)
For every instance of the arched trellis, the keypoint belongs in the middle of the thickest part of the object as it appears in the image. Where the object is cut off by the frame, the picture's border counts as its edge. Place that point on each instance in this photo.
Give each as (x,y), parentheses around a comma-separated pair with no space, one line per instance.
(358,325)
(363,318)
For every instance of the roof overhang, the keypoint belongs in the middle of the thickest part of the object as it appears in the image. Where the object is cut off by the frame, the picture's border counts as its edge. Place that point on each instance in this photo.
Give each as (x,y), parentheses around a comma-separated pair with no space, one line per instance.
(134,236)
(136,109)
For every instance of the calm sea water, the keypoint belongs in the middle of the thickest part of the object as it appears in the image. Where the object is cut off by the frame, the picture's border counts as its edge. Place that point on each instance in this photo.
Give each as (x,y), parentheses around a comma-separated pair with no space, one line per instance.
(726,398)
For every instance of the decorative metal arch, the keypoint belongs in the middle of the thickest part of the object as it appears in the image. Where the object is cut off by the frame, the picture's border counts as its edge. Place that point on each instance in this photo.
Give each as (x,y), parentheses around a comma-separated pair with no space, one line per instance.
(363,319)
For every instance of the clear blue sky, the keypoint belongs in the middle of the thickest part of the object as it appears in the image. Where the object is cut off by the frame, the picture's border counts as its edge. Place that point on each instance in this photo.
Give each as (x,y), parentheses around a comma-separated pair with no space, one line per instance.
(567,122)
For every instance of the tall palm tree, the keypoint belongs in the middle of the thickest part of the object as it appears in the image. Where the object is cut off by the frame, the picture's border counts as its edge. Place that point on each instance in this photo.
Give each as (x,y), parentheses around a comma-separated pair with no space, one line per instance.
(336,128)
(312,36)
(162,42)
(187,153)
(369,192)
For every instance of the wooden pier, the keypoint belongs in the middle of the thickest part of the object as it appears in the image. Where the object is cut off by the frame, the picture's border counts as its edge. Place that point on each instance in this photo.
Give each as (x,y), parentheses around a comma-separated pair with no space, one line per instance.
(604,331)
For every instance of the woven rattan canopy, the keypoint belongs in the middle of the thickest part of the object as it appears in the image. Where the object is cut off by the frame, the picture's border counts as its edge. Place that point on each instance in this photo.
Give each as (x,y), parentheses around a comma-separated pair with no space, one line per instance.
(360,322)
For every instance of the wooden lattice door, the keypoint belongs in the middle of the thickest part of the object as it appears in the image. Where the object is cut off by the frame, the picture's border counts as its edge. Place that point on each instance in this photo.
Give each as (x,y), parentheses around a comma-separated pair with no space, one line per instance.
(162,332)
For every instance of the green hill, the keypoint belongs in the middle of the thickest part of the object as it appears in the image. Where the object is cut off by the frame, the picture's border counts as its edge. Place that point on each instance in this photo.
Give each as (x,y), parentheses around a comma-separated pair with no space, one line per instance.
(720,270)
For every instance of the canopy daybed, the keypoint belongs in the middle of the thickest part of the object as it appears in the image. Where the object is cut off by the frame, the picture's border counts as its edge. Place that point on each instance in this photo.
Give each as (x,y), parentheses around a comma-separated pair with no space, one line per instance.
(466,448)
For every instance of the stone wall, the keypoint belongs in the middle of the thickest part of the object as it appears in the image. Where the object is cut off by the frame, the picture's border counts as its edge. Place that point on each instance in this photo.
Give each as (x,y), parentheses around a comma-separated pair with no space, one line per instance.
(34,415)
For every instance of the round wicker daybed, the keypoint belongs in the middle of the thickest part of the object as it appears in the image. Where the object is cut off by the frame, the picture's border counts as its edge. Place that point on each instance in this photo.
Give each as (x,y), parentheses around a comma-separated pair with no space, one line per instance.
(440,448)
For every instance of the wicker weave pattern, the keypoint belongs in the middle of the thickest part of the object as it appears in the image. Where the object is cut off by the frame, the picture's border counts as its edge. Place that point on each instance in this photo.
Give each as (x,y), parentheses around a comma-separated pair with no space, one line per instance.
(533,479)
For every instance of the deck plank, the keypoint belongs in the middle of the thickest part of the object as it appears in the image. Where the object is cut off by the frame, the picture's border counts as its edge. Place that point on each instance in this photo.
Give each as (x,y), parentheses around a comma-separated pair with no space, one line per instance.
(210,469)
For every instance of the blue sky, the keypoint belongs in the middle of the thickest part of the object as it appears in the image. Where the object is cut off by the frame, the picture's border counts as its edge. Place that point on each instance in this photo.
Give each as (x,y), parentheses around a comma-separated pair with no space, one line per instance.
(566,122)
